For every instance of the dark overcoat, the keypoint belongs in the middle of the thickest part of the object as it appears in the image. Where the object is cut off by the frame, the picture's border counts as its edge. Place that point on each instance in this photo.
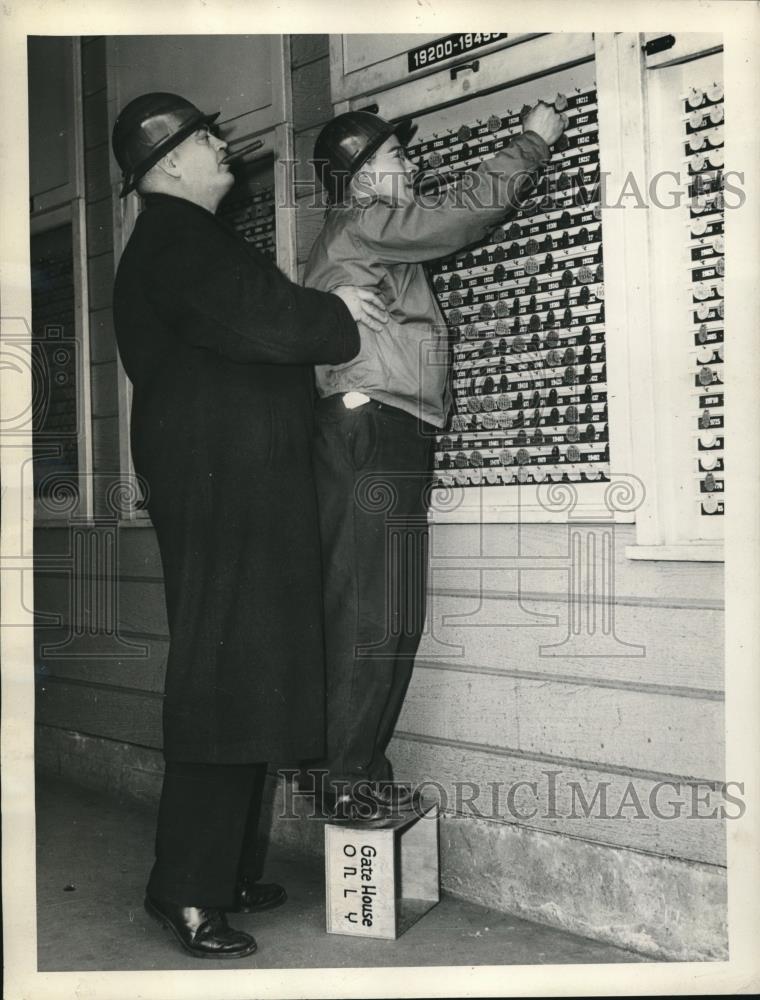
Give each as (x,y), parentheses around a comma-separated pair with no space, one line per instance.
(219,345)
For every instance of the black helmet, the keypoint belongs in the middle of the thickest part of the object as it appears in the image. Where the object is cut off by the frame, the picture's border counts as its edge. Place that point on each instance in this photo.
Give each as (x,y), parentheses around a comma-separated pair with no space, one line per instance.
(347,142)
(148,128)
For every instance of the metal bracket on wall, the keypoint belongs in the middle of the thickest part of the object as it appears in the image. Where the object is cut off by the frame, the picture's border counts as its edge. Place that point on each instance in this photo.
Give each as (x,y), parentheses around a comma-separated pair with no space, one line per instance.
(456,70)
(661,44)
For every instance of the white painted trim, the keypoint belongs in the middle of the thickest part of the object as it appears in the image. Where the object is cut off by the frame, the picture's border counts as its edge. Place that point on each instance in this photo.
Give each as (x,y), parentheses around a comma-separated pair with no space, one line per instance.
(549,503)
(286,239)
(285,203)
(666,417)
(81,288)
(624,236)
(282,92)
(695,552)
(124,214)
(626,244)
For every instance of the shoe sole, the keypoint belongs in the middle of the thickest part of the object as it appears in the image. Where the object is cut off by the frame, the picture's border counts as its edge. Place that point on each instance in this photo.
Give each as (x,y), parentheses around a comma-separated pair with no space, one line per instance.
(169,926)
(265,906)
(360,819)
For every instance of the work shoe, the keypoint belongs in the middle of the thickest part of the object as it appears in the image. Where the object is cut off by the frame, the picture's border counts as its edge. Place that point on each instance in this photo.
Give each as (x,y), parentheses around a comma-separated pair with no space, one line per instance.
(396,796)
(352,807)
(252,897)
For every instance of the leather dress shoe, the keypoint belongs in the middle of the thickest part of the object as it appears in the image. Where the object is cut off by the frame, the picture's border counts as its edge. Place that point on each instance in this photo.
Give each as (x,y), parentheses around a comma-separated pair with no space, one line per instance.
(252,897)
(355,808)
(202,931)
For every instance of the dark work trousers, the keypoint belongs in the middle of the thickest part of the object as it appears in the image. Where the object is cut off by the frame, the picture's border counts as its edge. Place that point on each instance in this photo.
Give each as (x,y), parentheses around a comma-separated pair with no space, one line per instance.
(373,467)
(208,820)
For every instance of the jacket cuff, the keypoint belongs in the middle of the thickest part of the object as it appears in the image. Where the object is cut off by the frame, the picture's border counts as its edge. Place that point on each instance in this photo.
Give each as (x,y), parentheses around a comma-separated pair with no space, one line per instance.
(539,145)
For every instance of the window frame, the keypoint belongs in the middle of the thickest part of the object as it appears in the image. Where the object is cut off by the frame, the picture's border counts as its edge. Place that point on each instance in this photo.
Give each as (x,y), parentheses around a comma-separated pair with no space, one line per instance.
(539,56)
(666,529)
(61,206)
(621,77)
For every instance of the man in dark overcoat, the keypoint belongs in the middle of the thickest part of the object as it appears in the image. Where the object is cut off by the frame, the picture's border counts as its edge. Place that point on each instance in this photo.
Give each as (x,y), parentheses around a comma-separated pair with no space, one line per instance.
(218,345)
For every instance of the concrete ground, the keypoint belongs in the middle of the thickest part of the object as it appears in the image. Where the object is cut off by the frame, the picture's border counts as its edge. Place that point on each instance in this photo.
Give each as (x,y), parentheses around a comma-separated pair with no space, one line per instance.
(93,856)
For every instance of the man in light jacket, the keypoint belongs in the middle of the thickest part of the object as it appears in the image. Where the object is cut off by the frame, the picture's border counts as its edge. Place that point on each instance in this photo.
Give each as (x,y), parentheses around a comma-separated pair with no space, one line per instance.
(377,416)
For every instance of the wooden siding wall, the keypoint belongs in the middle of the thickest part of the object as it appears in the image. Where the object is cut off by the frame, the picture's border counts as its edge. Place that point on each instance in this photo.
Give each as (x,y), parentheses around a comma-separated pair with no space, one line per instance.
(484,705)
(488,702)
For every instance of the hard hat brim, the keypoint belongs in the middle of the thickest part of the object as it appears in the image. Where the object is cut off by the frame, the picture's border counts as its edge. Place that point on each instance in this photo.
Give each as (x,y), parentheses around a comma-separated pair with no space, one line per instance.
(403,129)
(130,178)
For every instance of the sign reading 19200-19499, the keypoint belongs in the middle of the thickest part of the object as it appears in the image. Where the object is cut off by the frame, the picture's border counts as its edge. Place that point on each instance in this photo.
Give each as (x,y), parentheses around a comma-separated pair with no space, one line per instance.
(445,48)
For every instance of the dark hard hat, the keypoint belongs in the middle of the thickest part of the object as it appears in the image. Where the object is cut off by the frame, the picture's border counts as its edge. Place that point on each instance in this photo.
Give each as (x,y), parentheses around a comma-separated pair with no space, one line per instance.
(347,142)
(148,128)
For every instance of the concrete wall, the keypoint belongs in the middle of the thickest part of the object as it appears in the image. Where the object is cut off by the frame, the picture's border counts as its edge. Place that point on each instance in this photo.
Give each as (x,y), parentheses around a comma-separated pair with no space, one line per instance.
(490,702)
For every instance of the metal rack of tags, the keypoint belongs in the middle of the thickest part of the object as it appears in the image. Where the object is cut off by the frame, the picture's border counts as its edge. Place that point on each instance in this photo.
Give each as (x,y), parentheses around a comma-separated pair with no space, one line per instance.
(525,312)
(702,119)
(252,213)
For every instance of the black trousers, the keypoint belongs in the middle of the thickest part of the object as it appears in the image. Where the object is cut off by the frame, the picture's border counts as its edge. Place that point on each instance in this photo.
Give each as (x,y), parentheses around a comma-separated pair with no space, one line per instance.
(208,820)
(373,467)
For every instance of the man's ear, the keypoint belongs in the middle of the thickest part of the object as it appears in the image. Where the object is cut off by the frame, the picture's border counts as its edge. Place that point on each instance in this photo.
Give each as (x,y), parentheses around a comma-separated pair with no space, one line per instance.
(169,164)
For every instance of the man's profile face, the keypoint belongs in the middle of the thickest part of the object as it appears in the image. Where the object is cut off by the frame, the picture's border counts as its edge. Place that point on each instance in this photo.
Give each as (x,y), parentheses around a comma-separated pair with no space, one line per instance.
(388,174)
(199,158)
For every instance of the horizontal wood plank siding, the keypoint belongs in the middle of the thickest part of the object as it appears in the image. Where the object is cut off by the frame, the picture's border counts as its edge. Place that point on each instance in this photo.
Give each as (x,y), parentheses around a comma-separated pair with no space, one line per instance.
(656,645)
(603,725)
(99,710)
(477,784)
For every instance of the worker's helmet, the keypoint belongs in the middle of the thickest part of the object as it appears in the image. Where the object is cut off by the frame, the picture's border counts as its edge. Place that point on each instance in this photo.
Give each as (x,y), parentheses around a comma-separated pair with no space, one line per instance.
(148,128)
(347,142)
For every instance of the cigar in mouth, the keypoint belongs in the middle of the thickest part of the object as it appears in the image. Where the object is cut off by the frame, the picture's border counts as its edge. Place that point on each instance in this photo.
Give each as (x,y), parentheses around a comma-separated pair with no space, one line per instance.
(238,153)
